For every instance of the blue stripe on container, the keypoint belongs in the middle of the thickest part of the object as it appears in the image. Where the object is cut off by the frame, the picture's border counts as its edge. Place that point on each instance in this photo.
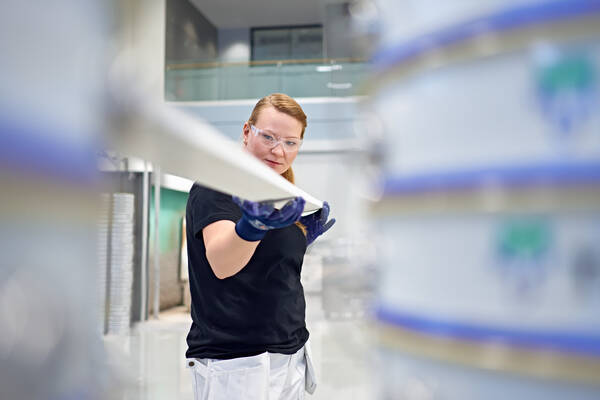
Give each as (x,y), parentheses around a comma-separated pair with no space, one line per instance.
(31,149)
(505,20)
(549,174)
(574,342)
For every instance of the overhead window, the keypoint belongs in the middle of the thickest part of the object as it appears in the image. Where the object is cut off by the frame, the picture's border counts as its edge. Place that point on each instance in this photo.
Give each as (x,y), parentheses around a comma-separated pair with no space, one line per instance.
(287,43)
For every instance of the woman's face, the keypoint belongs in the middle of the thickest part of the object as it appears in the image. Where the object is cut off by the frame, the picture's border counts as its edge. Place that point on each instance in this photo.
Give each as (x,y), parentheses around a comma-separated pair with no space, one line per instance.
(280,126)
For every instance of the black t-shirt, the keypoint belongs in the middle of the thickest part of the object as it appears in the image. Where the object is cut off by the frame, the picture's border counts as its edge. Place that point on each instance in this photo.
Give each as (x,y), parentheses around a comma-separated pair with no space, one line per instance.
(262,307)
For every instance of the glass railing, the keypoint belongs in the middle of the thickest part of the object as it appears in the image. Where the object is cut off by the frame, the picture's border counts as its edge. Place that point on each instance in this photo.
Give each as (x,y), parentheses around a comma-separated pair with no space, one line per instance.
(251,80)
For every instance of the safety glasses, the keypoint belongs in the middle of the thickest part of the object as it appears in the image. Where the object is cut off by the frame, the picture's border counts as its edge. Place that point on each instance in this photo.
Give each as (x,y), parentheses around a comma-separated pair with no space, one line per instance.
(289,145)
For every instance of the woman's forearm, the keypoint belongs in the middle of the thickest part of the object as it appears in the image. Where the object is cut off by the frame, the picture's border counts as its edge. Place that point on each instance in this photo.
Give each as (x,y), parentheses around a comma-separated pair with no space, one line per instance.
(226,252)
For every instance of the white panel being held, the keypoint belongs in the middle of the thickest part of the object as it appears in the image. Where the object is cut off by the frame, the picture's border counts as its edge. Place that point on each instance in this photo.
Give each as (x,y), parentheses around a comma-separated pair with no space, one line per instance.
(196,150)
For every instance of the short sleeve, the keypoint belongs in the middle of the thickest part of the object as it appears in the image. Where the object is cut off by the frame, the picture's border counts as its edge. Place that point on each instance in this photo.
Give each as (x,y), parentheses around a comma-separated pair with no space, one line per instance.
(207,206)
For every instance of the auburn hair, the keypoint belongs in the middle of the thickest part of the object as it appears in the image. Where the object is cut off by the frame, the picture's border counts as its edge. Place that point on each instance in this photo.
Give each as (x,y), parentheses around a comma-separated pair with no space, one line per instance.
(285,104)
(282,103)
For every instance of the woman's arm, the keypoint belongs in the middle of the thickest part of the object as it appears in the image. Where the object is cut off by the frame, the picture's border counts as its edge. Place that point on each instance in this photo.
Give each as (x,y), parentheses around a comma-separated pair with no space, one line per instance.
(229,246)
(226,252)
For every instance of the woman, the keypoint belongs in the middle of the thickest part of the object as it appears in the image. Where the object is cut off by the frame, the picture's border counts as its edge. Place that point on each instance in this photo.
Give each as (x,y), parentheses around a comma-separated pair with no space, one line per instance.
(248,335)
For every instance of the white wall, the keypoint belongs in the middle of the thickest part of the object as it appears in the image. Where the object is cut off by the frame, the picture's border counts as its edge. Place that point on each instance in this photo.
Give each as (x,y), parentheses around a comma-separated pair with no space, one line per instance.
(142,43)
(234,45)
(338,179)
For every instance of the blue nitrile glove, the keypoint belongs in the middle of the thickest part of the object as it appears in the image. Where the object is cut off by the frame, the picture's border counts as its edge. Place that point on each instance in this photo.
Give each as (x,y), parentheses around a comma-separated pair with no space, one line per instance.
(258,218)
(316,224)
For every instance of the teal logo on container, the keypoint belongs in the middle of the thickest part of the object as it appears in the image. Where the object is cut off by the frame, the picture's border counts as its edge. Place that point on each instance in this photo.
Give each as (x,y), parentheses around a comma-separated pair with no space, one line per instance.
(522,249)
(566,89)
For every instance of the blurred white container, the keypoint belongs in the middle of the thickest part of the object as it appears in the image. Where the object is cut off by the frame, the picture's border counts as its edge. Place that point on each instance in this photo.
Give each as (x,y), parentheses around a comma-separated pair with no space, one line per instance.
(403,20)
(515,88)
(531,107)
(510,273)
(53,107)
(489,215)
(410,377)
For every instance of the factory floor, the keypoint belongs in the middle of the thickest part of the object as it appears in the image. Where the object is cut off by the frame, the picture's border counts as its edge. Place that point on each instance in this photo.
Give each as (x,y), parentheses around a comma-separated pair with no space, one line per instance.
(150,362)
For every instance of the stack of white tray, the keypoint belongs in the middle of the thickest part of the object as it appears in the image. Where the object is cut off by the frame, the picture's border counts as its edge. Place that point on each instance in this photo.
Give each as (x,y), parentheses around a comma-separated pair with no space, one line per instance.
(121,264)
(102,258)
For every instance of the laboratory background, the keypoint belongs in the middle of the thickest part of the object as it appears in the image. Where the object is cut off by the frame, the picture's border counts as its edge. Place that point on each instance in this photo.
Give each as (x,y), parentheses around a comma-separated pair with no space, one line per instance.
(457,142)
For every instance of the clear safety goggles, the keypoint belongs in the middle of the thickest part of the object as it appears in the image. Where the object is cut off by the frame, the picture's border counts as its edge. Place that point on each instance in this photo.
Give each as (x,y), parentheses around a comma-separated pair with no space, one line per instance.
(289,145)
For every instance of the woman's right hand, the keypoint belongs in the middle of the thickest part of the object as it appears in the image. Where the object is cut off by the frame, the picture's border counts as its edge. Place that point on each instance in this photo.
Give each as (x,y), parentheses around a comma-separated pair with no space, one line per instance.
(260,217)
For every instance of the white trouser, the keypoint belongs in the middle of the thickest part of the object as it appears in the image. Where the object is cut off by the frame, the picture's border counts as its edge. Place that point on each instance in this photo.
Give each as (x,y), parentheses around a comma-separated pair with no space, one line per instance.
(267,376)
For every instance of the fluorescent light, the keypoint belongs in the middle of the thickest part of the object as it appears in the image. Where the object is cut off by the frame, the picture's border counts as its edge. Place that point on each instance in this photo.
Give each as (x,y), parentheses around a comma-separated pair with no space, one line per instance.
(329,68)
(346,85)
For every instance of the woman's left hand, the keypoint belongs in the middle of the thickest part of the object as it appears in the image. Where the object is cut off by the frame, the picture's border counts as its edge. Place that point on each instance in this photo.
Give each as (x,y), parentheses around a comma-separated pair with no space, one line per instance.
(316,224)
